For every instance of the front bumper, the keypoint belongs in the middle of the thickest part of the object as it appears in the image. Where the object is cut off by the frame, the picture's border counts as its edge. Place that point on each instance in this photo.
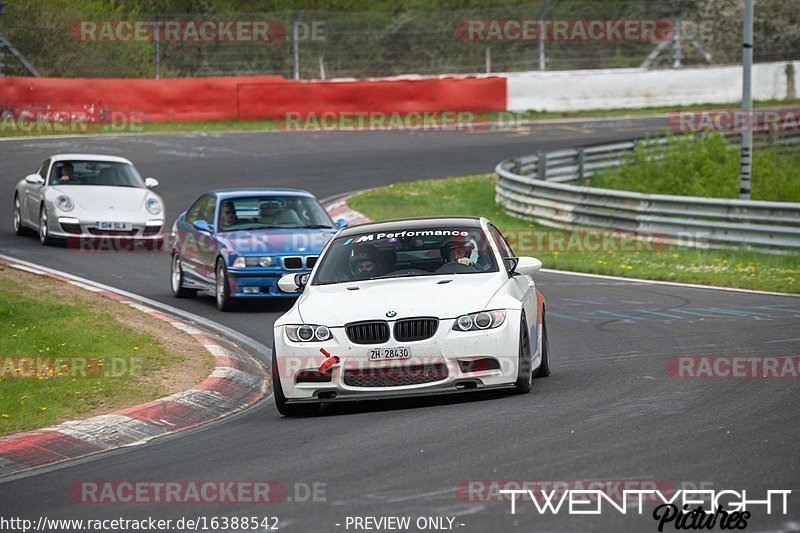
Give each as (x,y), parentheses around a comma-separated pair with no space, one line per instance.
(83,233)
(259,284)
(447,349)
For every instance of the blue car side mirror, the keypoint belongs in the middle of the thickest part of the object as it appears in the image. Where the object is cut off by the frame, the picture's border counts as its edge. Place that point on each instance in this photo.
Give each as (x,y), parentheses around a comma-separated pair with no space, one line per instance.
(202,225)
(341,223)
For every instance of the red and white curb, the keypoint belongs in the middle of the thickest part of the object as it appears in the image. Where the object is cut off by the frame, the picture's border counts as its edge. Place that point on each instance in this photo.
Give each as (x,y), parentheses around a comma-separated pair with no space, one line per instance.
(238,381)
(338,208)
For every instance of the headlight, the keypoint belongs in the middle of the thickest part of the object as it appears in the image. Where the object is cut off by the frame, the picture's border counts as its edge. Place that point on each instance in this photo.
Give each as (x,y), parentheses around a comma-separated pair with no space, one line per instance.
(64,203)
(308,333)
(480,320)
(153,206)
(266,261)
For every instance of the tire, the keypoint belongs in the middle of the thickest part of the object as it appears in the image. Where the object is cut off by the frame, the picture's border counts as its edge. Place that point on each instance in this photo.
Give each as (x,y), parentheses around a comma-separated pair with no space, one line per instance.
(176,279)
(19,229)
(44,233)
(524,381)
(222,289)
(544,368)
(302,409)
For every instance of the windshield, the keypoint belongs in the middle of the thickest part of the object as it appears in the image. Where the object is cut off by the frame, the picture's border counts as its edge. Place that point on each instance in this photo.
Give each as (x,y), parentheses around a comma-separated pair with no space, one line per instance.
(409,253)
(103,173)
(261,212)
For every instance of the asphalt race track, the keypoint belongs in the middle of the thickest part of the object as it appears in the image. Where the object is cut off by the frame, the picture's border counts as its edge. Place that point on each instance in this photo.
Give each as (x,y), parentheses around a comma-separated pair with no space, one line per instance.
(609,411)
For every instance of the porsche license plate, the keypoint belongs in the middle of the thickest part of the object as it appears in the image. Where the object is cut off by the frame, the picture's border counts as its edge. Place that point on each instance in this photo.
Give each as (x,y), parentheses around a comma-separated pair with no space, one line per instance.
(382,354)
(120,226)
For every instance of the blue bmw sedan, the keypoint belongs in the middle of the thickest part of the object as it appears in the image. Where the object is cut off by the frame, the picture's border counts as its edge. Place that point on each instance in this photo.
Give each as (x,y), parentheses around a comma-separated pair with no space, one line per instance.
(239,242)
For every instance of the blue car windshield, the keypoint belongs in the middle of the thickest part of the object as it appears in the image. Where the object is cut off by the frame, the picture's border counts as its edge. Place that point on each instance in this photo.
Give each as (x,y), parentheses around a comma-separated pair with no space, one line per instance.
(406,253)
(272,211)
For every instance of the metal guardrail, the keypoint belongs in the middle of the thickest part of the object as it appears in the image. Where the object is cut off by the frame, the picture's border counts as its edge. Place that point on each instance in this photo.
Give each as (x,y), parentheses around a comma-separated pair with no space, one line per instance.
(534,188)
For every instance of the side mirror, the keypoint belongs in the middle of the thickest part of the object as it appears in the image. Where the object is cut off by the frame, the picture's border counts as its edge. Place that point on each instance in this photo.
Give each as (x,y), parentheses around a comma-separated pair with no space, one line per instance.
(202,225)
(293,282)
(528,266)
(150,183)
(34,179)
(341,223)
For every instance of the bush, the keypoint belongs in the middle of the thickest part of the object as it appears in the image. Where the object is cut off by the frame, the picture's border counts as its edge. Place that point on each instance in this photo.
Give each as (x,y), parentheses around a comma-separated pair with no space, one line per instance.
(707,167)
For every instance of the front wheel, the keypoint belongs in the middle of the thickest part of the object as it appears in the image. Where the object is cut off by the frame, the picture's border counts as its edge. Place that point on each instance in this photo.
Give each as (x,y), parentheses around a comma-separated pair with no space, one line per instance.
(524,381)
(176,280)
(280,400)
(223,288)
(44,230)
(19,229)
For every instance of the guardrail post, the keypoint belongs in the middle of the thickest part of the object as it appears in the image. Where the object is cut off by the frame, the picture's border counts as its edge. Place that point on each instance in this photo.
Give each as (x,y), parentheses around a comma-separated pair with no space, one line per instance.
(541,166)
(517,167)
(581,162)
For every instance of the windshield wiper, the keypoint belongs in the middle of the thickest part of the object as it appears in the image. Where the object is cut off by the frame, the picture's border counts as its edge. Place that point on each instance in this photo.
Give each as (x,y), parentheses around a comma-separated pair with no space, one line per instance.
(407,275)
(317,226)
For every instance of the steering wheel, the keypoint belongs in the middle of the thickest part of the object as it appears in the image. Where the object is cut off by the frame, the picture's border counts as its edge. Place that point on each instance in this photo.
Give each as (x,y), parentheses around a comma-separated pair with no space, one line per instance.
(455,268)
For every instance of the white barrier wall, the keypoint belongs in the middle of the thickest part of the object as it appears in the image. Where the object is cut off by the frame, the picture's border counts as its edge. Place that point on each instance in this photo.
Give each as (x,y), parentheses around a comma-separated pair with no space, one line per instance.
(634,88)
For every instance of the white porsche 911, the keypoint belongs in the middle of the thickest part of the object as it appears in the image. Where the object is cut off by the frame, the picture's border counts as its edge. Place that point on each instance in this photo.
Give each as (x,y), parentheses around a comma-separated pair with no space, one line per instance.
(409,308)
(85,196)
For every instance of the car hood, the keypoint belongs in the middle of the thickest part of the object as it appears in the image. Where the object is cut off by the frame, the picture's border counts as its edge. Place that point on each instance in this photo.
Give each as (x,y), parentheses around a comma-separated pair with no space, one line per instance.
(101,198)
(275,241)
(336,305)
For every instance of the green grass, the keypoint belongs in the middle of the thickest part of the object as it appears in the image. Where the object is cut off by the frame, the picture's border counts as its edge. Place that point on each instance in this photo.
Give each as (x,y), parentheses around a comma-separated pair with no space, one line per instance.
(474,196)
(48,327)
(707,167)
(8,128)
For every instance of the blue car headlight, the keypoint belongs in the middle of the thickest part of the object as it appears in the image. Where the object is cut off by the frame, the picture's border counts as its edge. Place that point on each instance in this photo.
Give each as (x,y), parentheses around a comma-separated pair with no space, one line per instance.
(265,261)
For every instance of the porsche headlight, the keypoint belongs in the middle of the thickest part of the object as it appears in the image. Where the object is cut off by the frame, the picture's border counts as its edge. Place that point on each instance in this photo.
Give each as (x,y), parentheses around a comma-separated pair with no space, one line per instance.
(153,206)
(266,261)
(480,320)
(308,333)
(63,203)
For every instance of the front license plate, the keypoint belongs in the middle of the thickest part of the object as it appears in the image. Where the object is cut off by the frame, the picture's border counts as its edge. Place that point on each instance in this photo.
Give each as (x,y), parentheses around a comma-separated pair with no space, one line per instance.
(382,354)
(121,226)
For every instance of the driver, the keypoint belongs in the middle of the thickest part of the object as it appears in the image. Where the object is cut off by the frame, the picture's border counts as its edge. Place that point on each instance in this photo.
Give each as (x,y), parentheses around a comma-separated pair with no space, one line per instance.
(227,214)
(67,171)
(458,252)
(364,263)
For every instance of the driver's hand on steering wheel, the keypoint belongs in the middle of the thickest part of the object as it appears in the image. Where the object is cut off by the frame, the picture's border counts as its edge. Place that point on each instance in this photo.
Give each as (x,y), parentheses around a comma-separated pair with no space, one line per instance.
(465,261)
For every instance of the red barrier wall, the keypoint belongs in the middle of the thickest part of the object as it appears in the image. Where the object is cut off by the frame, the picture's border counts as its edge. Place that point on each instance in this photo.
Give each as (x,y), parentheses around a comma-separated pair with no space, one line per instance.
(254,97)
(270,100)
(180,99)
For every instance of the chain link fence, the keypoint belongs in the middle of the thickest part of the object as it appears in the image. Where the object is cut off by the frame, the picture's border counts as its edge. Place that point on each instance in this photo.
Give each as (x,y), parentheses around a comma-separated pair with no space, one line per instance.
(325,44)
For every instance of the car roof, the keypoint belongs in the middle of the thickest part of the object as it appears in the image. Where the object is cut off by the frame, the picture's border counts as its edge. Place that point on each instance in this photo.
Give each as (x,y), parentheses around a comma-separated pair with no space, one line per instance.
(231,193)
(89,157)
(393,226)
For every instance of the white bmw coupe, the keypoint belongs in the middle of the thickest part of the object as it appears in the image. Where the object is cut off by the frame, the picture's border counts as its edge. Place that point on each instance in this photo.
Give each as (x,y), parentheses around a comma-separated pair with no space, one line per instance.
(410,308)
(85,196)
